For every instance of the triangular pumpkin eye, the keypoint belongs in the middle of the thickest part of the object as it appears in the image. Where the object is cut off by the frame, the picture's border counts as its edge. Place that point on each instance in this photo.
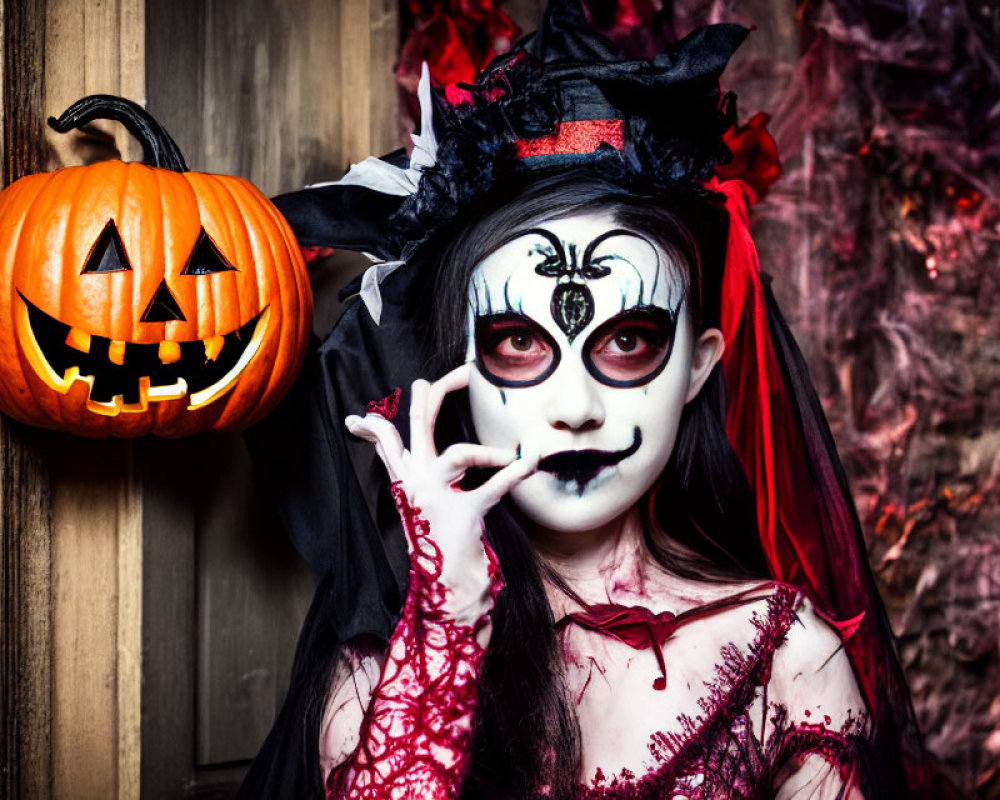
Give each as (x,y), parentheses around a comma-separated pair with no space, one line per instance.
(206,258)
(108,252)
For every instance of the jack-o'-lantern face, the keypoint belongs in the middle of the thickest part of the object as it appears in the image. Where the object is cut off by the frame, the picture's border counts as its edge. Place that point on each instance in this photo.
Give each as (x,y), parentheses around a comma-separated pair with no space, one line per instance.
(146,300)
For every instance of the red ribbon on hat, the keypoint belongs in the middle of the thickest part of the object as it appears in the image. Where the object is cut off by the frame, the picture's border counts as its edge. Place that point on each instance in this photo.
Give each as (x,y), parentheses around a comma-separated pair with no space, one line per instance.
(575,138)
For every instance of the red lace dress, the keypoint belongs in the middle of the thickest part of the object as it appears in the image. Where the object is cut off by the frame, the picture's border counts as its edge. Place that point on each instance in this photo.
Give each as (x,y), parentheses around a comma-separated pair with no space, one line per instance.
(664,711)
(778,715)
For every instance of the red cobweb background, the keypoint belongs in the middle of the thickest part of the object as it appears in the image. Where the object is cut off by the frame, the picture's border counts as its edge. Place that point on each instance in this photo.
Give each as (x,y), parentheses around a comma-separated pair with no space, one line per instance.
(883,237)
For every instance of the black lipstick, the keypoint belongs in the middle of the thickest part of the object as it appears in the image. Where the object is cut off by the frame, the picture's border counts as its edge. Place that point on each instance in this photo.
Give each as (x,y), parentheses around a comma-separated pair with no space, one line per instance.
(582,466)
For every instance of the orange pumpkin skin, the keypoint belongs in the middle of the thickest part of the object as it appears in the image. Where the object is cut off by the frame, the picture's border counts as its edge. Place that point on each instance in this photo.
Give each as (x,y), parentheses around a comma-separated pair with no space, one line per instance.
(49,224)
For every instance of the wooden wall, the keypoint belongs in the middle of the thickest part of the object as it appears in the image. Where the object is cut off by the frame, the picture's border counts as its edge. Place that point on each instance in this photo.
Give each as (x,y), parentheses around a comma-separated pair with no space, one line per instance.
(150,600)
(25,549)
(71,511)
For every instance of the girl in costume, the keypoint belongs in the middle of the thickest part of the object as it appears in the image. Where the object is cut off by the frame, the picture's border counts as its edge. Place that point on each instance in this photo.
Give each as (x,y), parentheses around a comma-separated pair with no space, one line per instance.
(608,552)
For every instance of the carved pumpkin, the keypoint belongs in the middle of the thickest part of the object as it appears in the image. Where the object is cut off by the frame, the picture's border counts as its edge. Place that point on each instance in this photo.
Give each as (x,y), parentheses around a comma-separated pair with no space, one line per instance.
(145,299)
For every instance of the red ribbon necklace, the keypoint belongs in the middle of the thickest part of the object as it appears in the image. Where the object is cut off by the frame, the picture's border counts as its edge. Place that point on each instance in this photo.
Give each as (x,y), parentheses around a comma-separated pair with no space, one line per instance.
(640,628)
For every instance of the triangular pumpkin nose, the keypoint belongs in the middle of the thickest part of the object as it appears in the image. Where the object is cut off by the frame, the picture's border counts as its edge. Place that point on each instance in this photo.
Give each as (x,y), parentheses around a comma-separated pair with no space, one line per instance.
(163,307)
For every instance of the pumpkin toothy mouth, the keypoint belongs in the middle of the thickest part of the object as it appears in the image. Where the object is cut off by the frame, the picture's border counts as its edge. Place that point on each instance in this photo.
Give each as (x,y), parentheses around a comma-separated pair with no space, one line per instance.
(127,377)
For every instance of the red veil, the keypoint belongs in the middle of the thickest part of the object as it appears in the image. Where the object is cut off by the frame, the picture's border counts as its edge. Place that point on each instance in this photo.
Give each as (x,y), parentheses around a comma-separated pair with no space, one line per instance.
(808,526)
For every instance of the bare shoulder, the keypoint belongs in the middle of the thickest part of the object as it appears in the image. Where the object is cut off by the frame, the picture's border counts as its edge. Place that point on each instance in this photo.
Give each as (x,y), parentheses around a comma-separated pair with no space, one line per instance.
(812,646)
(812,676)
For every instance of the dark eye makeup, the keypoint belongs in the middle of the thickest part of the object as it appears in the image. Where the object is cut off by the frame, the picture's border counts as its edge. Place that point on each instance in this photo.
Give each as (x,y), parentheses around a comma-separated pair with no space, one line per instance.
(629,349)
(512,350)
(632,348)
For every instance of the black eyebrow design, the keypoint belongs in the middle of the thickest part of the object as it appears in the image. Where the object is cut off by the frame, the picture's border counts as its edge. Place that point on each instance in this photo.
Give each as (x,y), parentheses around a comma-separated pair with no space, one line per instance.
(550,237)
(518,235)
(589,252)
(591,270)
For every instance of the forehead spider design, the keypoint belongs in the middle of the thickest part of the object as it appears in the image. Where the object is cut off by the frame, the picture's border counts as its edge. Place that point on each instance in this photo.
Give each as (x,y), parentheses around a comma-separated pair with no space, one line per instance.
(645,278)
(572,304)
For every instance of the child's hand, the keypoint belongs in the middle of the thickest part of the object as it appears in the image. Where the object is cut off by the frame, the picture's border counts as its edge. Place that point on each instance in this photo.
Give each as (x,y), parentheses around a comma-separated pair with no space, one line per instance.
(430,480)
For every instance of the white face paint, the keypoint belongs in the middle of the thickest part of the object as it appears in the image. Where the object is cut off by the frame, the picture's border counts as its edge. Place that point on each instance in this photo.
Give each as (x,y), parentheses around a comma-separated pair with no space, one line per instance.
(583,345)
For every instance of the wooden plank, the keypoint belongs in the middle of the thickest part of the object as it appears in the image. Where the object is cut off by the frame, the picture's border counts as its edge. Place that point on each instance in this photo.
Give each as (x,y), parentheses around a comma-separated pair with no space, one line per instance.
(168,634)
(175,90)
(355,81)
(132,50)
(385,132)
(129,523)
(23,56)
(252,88)
(25,513)
(270,76)
(131,83)
(95,46)
(25,558)
(244,88)
(175,74)
(254,106)
(252,591)
(85,631)
(368,47)
(252,595)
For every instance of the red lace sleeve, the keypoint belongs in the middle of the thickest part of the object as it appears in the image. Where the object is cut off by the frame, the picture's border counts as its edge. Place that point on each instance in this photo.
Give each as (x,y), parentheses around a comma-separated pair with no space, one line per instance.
(416,736)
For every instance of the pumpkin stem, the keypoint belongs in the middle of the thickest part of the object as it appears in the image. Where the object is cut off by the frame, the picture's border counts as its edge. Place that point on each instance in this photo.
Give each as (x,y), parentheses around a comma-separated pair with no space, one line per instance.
(158,149)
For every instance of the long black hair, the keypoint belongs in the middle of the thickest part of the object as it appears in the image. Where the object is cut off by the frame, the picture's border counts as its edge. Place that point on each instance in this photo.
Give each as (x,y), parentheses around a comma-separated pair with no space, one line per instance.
(698,520)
